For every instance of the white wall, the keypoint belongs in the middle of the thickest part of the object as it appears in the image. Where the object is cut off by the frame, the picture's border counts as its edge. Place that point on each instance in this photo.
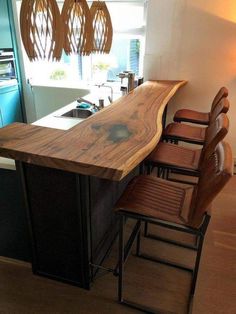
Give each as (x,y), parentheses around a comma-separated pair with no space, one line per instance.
(194,40)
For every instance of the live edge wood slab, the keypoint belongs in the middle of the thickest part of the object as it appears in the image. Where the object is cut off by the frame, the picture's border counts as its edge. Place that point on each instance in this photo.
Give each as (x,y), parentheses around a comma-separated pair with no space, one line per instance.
(107,145)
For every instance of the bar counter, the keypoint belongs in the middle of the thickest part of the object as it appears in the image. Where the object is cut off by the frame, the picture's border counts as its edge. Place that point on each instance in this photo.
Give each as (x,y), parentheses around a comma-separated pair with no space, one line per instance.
(107,145)
(72,178)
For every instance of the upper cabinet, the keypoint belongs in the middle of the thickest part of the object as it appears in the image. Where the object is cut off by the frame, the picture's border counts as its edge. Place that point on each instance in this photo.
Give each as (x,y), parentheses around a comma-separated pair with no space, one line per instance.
(5,38)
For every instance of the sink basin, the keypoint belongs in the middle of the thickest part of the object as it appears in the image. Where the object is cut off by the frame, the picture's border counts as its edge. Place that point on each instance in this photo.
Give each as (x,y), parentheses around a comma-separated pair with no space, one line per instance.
(78,113)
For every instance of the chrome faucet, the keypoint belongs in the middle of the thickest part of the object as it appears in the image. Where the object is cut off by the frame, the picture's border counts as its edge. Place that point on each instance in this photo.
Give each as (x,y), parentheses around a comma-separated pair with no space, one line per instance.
(110,98)
(130,76)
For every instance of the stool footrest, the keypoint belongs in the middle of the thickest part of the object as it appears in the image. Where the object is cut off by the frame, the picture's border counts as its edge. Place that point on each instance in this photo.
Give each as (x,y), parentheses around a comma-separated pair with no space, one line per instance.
(186,246)
(144,309)
(165,262)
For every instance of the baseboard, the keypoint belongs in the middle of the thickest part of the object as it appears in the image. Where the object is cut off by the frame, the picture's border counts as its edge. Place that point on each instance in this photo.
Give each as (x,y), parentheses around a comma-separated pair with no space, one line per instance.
(16,262)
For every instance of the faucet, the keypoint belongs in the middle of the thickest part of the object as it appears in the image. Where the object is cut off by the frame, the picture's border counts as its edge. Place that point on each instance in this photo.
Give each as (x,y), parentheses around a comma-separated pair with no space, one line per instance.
(130,76)
(110,98)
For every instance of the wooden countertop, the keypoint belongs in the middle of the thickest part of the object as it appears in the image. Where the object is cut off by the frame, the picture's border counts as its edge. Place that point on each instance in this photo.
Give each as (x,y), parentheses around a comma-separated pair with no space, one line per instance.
(108,144)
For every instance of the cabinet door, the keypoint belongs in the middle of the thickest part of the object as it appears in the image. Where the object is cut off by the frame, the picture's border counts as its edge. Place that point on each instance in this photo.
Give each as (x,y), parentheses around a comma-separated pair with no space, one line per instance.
(10,105)
(5,38)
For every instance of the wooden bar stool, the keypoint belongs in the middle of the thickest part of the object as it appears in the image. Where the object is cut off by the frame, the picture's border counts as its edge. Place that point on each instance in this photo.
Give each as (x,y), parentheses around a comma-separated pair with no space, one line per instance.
(193,134)
(192,116)
(187,160)
(181,207)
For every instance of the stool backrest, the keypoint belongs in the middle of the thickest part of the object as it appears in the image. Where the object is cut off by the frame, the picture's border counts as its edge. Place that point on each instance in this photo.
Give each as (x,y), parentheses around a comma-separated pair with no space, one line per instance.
(215,133)
(222,93)
(215,173)
(221,106)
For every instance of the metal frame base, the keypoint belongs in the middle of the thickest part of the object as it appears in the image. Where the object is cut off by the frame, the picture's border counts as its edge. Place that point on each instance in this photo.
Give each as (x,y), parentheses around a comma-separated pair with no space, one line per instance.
(124,251)
(142,308)
(163,170)
(176,139)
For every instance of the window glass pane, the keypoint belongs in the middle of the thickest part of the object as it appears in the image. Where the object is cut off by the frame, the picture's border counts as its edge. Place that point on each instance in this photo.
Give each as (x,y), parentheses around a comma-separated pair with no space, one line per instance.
(125,55)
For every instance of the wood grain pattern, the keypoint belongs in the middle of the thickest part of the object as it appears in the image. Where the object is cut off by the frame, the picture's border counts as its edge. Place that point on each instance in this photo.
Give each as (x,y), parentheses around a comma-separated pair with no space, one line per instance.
(108,144)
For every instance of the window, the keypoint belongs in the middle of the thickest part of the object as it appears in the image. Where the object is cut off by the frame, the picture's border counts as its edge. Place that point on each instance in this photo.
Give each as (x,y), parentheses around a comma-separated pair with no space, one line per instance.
(126,52)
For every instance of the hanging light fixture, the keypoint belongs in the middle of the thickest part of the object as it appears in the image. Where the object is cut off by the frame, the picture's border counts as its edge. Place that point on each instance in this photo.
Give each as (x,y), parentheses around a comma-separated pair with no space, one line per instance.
(102,27)
(78,27)
(41,29)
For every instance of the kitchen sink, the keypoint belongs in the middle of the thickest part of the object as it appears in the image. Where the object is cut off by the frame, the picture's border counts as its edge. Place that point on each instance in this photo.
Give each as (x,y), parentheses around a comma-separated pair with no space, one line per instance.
(78,113)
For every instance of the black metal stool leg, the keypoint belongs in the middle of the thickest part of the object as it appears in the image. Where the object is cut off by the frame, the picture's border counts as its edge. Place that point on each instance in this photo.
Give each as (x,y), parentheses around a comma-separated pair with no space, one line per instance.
(146,229)
(138,243)
(149,168)
(164,173)
(197,263)
(167,174)
(121,258)
(199,252)
(141,168)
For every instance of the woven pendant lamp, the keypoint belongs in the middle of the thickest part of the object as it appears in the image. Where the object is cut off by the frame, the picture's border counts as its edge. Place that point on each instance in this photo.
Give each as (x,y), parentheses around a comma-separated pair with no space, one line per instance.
(102,27)
(41,29)
(78,27)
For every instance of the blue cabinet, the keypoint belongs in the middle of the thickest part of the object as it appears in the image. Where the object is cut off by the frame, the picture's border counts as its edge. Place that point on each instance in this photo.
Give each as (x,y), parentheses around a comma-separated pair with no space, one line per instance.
(5,38)
(11,98)
(10,106)
(1,122)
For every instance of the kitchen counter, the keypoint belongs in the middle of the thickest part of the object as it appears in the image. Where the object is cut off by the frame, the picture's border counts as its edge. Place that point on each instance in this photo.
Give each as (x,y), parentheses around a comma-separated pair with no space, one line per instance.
(55,121)
(108,145)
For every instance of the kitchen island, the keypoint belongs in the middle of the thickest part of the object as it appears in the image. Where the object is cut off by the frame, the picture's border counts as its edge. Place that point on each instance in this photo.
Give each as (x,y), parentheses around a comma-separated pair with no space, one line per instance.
(72,178)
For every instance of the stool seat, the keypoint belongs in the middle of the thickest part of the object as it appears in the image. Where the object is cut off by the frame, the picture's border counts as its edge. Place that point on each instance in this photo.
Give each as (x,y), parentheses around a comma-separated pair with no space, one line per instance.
(188,160)
(157,198)
(188,115)
(185,132)
(176,155)
(193,134)
(193,116)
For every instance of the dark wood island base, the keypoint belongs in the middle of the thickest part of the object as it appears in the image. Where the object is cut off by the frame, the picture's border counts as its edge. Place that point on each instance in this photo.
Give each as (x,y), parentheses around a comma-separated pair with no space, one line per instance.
(71,221)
